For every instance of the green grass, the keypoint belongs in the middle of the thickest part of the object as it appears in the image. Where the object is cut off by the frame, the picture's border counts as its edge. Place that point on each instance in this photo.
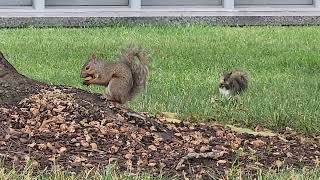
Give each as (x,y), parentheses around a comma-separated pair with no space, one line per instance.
(283,64)
(110,173)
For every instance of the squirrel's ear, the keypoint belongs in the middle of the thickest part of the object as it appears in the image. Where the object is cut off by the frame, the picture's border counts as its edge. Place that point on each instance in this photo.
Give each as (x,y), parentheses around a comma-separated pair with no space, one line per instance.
(221,74)
(94,58)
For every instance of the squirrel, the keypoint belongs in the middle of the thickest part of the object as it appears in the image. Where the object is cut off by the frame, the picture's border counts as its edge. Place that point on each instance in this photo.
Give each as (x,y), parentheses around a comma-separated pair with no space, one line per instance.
(234,82)
(123,79)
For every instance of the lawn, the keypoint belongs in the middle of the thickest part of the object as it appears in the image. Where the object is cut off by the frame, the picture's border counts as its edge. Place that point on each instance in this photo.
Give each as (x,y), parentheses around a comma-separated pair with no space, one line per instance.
(111,174)
(185,62)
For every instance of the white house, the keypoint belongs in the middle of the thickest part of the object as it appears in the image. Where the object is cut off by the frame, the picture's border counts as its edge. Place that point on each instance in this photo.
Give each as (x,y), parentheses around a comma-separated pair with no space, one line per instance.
(137,4)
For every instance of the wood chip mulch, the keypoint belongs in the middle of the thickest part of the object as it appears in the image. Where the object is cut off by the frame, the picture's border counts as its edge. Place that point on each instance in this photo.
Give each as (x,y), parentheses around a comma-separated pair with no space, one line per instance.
(51,128)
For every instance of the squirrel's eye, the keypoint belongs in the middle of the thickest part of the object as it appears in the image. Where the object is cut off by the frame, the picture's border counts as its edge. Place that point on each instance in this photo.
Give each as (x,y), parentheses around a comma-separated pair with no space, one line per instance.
(87,68)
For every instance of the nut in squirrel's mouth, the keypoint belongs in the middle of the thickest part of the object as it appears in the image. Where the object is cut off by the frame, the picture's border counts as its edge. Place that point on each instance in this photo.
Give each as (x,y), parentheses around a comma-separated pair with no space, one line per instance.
(89,77)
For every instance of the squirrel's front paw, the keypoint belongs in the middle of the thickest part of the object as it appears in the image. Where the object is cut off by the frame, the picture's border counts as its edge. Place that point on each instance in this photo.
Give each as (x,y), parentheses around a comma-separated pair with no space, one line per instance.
(85,83)
(103,97)
(106,98)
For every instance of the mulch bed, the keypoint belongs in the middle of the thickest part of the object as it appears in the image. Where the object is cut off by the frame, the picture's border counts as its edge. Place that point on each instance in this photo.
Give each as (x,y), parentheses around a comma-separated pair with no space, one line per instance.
(75,130)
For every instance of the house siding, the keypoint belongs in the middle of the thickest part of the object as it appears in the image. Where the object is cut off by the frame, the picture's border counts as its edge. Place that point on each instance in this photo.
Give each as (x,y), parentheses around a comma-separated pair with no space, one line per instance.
(15,2)
(87,3)
(181,3)
(273,2)
(136,4)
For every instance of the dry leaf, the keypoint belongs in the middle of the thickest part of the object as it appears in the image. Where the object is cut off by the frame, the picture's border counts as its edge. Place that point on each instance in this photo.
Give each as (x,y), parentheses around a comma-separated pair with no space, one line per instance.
(88,138)
(152,164)
(2,143)
(278,163)
(128,156)
(62,149)
(258,143)
(59,108)
(35,163)
(204,148)
(289,154)
(79,159)
(53,159)
(222,153)
(32,144)
(34,111)
(221,162)
(42,146)
(84,143)
(114,149)
(152,147)
(219,133)
(94,146)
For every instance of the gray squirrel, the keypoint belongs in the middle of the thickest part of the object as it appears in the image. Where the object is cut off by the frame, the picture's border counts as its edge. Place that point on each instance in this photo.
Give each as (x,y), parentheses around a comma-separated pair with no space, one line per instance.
(232,83)
(123,79)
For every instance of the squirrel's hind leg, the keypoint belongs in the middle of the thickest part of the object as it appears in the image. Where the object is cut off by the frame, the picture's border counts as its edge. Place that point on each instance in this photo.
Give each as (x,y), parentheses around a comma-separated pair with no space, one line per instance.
(106,95)
(118,90)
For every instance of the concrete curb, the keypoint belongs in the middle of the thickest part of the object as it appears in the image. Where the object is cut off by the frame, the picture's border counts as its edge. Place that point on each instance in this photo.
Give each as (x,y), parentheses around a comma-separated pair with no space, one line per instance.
(111,21)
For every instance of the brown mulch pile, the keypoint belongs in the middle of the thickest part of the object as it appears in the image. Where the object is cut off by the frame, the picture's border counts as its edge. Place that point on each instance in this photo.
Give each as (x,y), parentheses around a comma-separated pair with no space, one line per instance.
(52,128)
(75,130)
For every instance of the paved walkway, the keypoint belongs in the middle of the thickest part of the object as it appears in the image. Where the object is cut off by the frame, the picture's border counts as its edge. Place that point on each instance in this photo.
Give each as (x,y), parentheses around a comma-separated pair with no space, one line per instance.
(97,16)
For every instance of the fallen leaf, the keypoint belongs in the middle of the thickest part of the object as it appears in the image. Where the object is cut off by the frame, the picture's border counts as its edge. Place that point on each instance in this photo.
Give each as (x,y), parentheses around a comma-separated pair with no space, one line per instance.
(84,143)
(221,153)
(42,146)
(258,143)
(152,164)
(62,150)
(114,149)
(88,138)
(53,159)
(35,163)
(32,144)
(220,162)
(34,111)
(289,154)
(78,159)
(204,148)
(128,156)
(278,163)
(152,147)
(219,133)
(59,108)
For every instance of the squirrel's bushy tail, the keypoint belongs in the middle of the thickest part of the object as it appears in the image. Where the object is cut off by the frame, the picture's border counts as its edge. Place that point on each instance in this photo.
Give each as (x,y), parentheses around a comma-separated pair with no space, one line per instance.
(241,77)
(139,70)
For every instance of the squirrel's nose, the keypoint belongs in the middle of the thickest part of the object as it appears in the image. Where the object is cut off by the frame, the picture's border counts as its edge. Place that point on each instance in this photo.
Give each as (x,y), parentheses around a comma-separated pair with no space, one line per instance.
(82,75)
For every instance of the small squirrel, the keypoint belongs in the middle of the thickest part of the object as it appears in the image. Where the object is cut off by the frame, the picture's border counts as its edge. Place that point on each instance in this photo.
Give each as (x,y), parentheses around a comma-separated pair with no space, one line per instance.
(123,79)
(233,82)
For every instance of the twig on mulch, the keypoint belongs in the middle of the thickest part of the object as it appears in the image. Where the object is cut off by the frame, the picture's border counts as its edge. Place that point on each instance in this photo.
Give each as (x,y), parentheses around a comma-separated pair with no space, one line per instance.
(193,155)
(136,115)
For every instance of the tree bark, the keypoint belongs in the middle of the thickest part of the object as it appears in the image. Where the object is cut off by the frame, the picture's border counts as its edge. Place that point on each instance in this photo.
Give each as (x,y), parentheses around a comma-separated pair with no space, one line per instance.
(14,86)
